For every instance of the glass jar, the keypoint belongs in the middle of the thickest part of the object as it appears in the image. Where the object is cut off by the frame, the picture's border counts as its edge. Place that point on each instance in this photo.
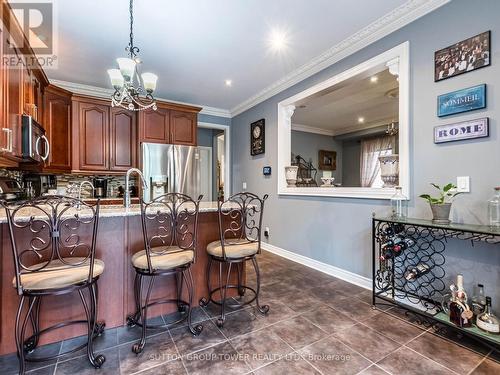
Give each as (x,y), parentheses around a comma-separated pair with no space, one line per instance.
(494,210)
(399,204)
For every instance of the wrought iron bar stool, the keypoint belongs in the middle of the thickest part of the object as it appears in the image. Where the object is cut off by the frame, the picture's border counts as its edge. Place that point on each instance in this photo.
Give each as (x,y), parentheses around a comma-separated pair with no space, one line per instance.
(169,225)
(240,222)
(53,243)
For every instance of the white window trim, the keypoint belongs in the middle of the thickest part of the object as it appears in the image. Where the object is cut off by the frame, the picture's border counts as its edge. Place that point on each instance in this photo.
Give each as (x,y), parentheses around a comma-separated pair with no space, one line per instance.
(286,108)
(227,152)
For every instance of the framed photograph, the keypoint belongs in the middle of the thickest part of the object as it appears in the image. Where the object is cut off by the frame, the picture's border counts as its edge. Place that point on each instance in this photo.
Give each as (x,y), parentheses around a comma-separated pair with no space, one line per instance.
(464,100)
(327,160)
(462,57)
(459,131)
(257,137)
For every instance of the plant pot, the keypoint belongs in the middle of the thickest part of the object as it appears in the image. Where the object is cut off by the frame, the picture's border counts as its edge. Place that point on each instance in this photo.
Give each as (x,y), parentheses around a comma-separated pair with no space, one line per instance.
(441,213)
(291,175)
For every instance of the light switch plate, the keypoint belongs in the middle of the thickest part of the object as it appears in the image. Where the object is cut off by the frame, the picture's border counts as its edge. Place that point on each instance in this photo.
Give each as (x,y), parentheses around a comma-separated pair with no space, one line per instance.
(463,184)
(244,186)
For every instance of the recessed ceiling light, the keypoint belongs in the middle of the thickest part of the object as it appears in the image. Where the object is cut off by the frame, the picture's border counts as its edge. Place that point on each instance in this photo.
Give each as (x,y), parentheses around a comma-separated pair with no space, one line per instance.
(374,79)
(361,120)
(278,40)
(228,82)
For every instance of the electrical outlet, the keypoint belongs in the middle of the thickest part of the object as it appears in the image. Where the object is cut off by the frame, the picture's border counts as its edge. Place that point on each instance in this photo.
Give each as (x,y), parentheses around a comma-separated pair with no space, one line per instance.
(266,232)
(463,184)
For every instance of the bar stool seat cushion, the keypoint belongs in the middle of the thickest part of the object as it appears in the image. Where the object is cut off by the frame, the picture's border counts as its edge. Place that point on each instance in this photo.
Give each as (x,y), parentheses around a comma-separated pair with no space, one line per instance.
(233,248)
(174,257)
(57,275)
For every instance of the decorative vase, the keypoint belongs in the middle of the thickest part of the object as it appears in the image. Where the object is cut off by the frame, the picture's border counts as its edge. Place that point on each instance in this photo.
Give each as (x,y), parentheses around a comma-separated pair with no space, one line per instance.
(291,175)
(441,213)
(389,170)
(327,181)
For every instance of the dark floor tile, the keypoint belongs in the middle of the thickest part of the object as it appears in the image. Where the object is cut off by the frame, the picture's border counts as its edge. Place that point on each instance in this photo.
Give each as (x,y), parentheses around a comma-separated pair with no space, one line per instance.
(298,332)
(406,361)
(278,311)
(158,350)
(328,319)
(240,323)
(404,315)
(170,368)
(128,334)
(300,301)
(107,339)
(292,364)
(394,328)
(277,291)
(457,337)
(9,364)
(365,296)
(187,343)
(42,371)
(446,353)
(368,342)
(261,347)
(82,366)
(373,370)
(348,288)
(331,356)
(213,310)
(197,315)
(356,309)
(219,359)
(487,367)
(330,295)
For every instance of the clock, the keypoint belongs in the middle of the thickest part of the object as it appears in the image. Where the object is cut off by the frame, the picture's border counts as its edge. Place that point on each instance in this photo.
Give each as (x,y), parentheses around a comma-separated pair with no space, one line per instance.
(257,137)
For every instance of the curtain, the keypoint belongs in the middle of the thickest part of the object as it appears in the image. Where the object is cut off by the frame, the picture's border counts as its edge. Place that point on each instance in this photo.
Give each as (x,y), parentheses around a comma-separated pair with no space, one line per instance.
(371,149)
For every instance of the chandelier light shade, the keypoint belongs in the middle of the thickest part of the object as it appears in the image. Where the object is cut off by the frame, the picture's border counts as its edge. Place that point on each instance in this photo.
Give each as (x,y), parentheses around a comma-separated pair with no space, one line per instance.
(132,91)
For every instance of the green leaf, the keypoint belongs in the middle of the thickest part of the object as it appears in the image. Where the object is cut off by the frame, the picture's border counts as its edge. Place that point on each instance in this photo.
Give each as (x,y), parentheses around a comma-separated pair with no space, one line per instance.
(436,186)
(426,196)
(437,201)
(454,195)
(449,187)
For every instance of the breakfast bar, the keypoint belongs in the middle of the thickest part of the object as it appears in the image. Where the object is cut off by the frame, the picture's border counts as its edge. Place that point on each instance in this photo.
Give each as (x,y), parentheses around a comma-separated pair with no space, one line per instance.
(119,236)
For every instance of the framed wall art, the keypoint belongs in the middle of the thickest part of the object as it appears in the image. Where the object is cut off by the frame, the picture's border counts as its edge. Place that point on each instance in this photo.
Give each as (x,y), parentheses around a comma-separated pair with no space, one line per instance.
(327,160)
(478,128)
(462,57)
(463,100)
(258,137)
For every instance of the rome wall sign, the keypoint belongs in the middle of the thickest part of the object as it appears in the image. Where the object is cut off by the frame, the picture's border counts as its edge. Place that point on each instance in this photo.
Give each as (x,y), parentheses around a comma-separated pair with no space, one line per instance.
(462,130)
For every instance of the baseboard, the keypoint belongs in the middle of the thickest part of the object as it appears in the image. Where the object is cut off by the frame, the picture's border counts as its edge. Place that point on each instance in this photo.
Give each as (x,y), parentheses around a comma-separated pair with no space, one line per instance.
(350,277)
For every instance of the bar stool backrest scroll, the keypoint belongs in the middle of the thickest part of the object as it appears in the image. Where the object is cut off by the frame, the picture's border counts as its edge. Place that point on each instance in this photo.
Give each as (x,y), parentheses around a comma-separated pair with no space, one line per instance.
(169,225)
(240,220)
(52,231)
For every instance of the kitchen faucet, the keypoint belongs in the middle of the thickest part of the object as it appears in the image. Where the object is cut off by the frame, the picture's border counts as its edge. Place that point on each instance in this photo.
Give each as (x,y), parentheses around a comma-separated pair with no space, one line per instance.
(126,194)
(86,182)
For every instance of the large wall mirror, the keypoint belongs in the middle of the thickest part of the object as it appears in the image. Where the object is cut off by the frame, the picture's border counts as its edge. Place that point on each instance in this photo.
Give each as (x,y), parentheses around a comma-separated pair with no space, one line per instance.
(348,136)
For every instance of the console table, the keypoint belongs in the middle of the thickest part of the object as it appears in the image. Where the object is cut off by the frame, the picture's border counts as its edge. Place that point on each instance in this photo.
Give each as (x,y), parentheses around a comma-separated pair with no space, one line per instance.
(423,295)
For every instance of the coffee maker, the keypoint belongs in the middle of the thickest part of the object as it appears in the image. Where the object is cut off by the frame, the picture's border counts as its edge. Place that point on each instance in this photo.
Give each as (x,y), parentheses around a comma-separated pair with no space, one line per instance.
(100,187)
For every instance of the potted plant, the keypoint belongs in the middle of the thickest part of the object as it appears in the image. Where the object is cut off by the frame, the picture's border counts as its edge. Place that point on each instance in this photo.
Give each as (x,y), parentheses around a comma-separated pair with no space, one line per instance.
(441,206)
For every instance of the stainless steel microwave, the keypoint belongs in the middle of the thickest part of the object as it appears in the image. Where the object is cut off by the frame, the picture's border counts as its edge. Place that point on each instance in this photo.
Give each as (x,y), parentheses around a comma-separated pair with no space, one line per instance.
(35,144)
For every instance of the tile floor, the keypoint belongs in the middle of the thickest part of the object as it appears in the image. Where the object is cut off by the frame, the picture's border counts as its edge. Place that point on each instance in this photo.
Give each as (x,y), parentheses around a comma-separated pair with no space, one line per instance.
(317,325)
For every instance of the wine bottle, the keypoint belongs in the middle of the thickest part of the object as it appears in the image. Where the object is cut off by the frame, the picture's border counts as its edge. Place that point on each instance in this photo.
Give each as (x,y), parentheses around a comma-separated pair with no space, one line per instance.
(478,302)
(460,313)
(393,229)
(417,271)
(487,321)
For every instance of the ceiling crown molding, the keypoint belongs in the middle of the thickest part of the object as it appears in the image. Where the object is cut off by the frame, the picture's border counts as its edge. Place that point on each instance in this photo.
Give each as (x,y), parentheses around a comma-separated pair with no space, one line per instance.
(312,129)
(394,20)
(100,92)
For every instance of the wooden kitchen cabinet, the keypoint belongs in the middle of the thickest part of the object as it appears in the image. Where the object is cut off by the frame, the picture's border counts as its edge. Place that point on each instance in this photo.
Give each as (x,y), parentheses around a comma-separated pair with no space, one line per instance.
(155,125)
(183,126)
(90,136)
(57,123)
(15,107)
(123,139)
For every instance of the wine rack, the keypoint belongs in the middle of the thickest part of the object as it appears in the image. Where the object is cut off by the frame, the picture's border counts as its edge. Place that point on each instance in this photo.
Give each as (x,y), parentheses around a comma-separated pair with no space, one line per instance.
(422,293)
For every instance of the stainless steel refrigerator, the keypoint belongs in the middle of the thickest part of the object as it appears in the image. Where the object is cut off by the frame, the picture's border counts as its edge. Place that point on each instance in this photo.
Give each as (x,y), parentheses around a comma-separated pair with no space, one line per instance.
(171,168)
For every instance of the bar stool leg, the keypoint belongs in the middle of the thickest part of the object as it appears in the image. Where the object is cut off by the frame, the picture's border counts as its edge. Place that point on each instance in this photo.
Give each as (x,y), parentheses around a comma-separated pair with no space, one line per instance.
(241,291)
(179,280)
(32,342)
(19,338)
(196,330)
(264,309)
(96,361)
(138,347)
(204,301)
(223,289)
(134,318)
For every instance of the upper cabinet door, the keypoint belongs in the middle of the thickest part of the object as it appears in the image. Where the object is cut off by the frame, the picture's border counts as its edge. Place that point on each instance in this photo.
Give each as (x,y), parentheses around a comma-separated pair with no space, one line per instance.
(57,123)
(123,139)
(15,104)
(154,126)
(183,127)
(93,136)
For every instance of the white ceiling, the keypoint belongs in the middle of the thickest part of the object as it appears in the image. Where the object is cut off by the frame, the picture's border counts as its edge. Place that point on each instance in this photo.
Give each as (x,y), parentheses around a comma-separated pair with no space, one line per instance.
(194,45)
(338,108)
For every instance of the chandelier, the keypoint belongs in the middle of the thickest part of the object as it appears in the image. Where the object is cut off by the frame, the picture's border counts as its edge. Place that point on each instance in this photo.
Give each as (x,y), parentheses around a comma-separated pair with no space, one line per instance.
(131,91)
(392,129)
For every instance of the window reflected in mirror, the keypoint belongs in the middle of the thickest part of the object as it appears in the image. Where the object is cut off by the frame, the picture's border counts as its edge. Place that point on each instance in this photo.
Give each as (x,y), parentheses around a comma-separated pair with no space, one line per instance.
(347,135)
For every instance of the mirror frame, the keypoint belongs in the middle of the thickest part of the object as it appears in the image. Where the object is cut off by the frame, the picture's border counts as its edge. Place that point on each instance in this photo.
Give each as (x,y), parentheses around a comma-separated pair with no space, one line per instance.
(397,60)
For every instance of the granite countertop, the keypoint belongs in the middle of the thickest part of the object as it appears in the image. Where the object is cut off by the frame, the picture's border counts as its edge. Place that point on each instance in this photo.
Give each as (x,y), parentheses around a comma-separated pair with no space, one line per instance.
(104,211)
